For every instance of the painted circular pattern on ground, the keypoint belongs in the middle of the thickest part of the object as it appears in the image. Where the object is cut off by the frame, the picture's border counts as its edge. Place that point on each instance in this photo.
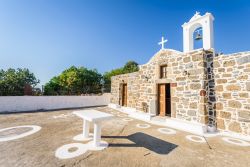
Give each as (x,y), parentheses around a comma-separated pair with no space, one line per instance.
(71,150)
(143,126)
(17,132)
(195,138)
(236,141)
(80,137)
(121,115)
(127,119)
(167,131)
(103,145)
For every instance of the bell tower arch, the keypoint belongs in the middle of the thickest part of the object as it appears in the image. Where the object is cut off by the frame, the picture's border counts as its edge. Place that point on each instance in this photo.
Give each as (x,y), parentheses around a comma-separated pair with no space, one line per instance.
(197,21)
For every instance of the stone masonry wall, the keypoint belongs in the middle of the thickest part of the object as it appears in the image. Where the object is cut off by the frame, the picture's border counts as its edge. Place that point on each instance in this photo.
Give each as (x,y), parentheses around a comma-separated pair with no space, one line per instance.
(212,90)
(187,74)
(232,91)
(132,85)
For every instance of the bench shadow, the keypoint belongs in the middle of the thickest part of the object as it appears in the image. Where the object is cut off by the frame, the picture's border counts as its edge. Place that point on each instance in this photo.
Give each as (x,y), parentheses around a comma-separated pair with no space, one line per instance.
(144,140)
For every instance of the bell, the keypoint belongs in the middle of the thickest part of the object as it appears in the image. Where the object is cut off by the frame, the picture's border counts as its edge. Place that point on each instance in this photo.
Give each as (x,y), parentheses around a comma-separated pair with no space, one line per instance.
(198,37)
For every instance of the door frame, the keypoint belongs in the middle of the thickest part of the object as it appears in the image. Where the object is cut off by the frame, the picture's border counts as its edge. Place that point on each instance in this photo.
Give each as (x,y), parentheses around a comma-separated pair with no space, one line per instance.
(158,99)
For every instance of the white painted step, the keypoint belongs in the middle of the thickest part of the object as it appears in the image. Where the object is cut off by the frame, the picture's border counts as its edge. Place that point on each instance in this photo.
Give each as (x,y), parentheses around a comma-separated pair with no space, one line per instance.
(188,126)
(140,115)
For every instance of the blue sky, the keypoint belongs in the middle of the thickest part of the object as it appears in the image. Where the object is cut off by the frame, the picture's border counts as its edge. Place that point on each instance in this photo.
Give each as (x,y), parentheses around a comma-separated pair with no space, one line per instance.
(48,36)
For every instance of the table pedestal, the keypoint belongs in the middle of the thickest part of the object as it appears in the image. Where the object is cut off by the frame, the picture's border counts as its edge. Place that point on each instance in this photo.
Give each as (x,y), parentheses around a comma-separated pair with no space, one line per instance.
(85,136)
(85,129)
(97,134)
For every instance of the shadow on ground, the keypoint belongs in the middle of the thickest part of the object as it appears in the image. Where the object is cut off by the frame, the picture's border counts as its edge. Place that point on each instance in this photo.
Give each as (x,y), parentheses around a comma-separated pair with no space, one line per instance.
(144,140)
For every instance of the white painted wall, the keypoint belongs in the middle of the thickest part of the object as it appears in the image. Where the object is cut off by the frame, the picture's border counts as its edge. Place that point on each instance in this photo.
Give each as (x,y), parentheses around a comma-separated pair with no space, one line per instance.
(33,103)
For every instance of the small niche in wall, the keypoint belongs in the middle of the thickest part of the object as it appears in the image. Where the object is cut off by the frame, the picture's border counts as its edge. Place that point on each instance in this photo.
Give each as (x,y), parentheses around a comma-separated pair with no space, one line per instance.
(144,107)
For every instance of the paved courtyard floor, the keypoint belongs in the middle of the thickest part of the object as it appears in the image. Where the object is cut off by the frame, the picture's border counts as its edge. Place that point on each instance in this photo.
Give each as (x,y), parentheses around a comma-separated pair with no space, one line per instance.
(131,143)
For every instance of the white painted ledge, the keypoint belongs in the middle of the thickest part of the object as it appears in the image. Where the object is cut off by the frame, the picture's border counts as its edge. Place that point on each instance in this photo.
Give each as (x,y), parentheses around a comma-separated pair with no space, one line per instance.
(141,116)
(235,135)
(132,112)
(171,122)
(187,126)
(191,127)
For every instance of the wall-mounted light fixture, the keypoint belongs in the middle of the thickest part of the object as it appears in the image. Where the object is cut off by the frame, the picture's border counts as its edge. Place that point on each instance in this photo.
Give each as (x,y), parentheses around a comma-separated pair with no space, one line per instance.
(185,73)
(145,77)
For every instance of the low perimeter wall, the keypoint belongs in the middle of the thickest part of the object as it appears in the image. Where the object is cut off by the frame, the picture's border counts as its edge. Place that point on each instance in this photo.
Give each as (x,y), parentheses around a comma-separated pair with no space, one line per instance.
(34,103)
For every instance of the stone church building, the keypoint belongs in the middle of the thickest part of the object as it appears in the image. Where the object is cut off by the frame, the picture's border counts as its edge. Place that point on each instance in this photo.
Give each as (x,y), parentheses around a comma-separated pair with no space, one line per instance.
(193,87)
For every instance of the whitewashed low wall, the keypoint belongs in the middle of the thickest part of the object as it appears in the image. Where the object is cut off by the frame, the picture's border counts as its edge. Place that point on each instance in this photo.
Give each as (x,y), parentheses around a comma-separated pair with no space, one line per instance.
(33,103)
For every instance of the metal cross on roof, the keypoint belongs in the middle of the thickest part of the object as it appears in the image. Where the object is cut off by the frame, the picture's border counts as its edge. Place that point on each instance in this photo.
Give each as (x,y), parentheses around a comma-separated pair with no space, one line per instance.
(162,42)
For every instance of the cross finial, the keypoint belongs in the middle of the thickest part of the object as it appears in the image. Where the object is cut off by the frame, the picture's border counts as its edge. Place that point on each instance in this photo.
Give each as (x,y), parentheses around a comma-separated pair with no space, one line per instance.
(197,13)
(162,42)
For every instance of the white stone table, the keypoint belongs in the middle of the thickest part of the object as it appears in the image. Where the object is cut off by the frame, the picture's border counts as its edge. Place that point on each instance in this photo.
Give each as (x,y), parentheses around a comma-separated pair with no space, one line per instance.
(96,117)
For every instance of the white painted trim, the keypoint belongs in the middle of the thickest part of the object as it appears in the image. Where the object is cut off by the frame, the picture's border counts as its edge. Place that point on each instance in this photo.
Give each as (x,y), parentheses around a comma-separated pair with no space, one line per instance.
(166,131)
(63,151)
(127,119)
(81,137)
(143,126)
(141,116)
(34,130)
(187,126)
(132,112)
(235,135)
(102,145)
(192,138)
(239,143)
(191,127)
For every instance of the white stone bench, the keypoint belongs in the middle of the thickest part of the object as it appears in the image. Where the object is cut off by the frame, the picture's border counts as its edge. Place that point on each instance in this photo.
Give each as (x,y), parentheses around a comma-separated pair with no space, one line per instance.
(96,117)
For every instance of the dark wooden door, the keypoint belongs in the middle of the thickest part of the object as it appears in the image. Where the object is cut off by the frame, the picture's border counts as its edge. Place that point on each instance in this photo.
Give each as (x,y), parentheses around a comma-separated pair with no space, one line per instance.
(162,99)
(124,95)
(168,100)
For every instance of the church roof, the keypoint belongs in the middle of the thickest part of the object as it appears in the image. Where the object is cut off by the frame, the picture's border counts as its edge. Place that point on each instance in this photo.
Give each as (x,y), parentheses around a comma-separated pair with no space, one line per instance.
(164,51)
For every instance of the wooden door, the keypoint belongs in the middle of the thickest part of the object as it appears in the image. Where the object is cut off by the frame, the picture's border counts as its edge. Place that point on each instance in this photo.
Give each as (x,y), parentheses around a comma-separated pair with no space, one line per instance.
(162,99)
(124,95)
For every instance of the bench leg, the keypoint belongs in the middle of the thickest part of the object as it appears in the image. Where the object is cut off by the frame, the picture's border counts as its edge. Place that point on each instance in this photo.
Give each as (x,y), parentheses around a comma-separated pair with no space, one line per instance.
(97,134)
(85,128)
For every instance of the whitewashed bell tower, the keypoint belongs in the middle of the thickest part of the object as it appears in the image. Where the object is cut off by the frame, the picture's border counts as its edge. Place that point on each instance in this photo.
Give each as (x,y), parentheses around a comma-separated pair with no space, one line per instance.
(197,21)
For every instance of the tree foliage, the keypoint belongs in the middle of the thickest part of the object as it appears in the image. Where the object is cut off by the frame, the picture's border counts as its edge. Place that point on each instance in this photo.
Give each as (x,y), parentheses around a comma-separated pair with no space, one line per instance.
(129,67)
(13,82)
(74,81)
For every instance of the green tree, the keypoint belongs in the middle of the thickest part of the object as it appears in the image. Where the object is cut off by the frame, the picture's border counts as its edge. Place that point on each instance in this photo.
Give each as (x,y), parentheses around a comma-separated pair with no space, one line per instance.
(74,81)
(90,81)
(69,79)
(13,82)
(129,67)
(53,87)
